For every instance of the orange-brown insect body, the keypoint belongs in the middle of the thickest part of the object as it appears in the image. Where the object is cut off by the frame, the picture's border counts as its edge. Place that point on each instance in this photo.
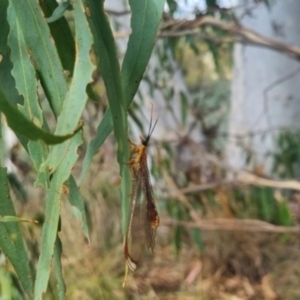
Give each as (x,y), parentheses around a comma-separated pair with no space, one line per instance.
(144,218)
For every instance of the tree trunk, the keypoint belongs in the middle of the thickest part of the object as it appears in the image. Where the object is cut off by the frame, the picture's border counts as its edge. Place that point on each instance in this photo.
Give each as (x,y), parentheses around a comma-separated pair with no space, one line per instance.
(265,86)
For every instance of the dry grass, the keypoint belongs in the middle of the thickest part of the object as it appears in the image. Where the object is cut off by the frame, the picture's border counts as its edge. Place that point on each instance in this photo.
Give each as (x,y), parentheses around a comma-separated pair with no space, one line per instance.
(234,265)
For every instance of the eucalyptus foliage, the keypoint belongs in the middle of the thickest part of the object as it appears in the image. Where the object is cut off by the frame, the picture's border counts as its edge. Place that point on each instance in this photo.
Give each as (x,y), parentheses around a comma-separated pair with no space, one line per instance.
(37,49)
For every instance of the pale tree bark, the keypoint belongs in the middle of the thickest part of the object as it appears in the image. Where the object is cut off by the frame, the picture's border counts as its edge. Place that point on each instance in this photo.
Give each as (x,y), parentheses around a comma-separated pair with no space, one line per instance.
(265,87)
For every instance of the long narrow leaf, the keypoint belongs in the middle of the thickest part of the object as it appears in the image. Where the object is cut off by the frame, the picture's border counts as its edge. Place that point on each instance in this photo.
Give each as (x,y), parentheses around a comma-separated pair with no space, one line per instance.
(104,129)
(52,213)
(61,286)
(109,66)
(145,20)
(26,84)
(77,201)
(4,27)
(7,219)
(59,11)
(23,70)
(76,99)
(65,155)
(36,34)
(62,36)
(7,82)
(20,124)
(146,17)
(11,240)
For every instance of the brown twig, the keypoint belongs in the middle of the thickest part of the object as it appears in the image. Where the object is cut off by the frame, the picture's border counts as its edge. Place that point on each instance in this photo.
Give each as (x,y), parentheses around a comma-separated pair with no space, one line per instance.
(178,194)
(212,38)
(239,176)
(207,186)
(121,34)
(232,225)
(249,178)
(244,35)
(241,34)
(245,177)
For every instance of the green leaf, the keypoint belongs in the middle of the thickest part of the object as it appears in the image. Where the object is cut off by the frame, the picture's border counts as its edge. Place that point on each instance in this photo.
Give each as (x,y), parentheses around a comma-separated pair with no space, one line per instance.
(7,85)
(42,49)
(38,152)
(109,65)
(184,107)
(177,239)
(215,53)
(77,201)
(197,237)
(104,129)
(267,203)
(7,285)
(283,214)
(59,11)
(2,145)
(7,82)
(20,124)
(146,16)
(211,3)
(11,240)
(176,212)
(61,286)
(17,186)
(7,219)
(172,6)
(4,28)
(26,84)
(23,70)
(145,20)
(52,213)
(75,101)
(62,36)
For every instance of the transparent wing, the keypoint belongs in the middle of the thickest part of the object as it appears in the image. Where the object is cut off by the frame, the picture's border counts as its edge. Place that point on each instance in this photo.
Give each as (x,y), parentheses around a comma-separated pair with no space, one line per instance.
(151,217)
(135,239)
(143,217)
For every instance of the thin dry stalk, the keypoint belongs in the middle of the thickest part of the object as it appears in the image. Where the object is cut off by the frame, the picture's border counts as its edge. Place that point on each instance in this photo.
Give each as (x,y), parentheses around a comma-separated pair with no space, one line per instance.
(233,225)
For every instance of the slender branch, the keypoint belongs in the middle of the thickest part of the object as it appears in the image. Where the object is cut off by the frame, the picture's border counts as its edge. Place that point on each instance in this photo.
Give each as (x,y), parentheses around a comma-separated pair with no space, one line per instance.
(121,34)
(213,38)
(208,186)
(239,176)
(243,34)
(232,225)
(249,178)
(178,194)
(245,178)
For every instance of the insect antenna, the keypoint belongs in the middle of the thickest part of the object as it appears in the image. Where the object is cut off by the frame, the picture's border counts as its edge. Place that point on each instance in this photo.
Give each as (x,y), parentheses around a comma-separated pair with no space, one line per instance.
(151,129)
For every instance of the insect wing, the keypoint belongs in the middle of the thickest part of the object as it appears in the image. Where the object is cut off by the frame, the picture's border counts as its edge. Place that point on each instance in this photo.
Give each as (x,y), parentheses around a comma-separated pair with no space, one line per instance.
(143,219)
(136,238)
(151,217)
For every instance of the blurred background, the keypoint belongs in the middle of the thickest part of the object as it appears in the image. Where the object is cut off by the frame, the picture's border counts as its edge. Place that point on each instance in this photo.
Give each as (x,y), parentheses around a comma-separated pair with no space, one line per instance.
(224,161)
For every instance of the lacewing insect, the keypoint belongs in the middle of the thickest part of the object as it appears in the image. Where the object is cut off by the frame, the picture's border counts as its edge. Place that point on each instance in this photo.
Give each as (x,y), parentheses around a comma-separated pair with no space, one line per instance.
(144,218)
